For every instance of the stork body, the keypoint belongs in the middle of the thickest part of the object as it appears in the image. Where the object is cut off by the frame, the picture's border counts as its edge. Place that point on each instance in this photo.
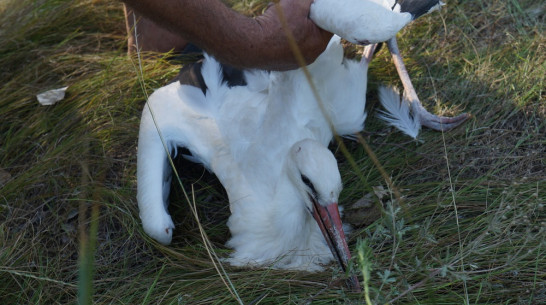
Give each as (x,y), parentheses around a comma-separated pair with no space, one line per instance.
(267,144)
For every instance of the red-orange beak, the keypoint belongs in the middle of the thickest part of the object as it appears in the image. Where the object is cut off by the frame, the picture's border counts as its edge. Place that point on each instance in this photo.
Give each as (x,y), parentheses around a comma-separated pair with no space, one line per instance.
(329,222)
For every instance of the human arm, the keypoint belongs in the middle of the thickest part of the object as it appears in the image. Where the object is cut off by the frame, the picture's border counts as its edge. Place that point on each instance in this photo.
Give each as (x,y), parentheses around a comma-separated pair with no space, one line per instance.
(236,39)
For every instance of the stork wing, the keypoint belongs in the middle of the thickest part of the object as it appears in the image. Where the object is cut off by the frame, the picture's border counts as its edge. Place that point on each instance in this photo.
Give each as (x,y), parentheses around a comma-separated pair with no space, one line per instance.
(175,116)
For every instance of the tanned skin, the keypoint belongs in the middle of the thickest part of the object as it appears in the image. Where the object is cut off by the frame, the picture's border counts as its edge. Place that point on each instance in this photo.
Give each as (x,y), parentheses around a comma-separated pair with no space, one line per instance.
(235,39)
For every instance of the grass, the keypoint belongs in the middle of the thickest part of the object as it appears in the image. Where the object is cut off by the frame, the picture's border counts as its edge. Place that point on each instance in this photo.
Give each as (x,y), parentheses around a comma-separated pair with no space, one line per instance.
(469,228)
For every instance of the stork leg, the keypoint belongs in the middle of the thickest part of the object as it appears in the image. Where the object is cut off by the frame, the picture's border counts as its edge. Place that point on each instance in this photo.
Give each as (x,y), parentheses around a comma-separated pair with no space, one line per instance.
(368,53)
(440,123)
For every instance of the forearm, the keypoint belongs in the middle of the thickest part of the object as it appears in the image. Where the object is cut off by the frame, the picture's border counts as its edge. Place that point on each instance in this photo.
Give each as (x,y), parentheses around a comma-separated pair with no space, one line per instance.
(213,26)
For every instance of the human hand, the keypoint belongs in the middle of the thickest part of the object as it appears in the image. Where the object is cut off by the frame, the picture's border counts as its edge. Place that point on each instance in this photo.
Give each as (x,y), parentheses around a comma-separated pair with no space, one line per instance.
(311,39)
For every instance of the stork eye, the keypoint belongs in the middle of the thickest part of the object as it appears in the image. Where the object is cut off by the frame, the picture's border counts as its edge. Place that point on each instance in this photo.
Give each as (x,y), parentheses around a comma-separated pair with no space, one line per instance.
(307,182)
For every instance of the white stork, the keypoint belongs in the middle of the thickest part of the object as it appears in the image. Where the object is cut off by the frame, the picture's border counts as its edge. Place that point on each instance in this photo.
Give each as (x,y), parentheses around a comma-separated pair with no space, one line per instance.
(266,140)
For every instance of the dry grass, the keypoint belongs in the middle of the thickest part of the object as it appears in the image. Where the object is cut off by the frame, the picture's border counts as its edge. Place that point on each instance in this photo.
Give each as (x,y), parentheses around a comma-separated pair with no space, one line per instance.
(470,228)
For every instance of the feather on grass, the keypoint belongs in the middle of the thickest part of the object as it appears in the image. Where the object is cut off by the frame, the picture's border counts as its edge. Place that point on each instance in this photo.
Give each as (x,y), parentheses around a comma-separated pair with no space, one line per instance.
(398,112)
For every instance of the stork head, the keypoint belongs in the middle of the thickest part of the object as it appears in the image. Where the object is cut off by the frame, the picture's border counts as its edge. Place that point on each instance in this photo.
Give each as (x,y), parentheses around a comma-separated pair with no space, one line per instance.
(316,175)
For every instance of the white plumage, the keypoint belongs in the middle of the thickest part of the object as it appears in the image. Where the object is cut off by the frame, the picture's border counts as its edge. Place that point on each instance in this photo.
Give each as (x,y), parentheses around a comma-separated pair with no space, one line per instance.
(398,112)
(368,21)
(267,143)
(252,137)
